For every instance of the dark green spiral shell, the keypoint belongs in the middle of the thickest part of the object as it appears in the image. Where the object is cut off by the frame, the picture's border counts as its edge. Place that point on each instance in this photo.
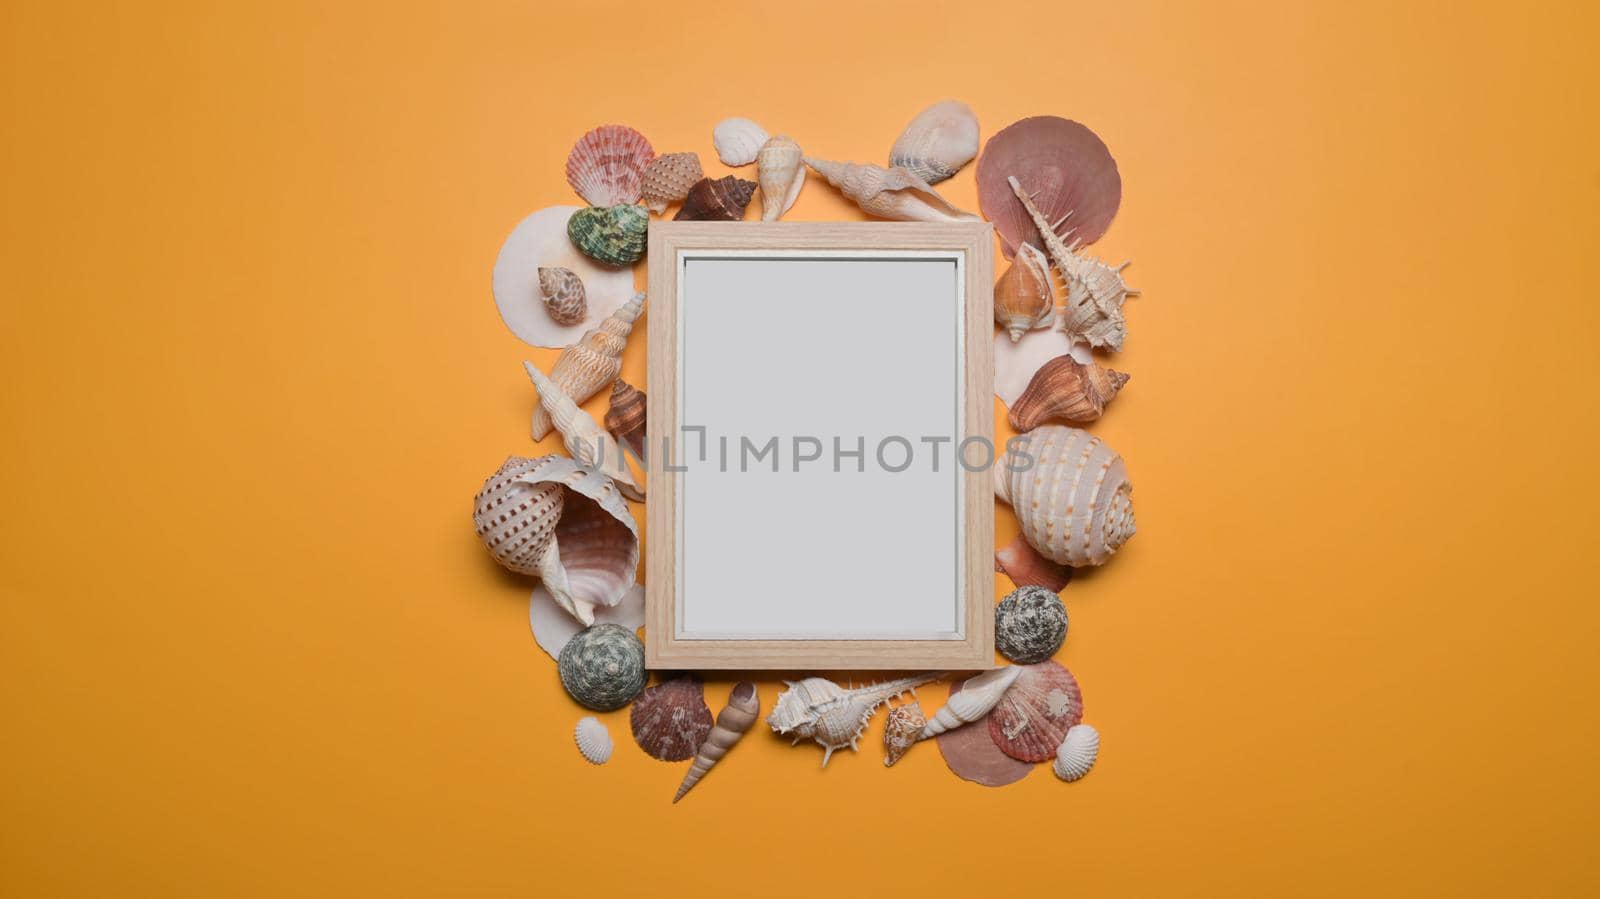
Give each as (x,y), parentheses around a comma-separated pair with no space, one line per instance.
(610,235)
(602,667)
(1029,625)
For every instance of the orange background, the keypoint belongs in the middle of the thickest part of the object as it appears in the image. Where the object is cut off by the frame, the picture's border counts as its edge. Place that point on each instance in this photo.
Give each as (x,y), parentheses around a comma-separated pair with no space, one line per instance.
(253,375)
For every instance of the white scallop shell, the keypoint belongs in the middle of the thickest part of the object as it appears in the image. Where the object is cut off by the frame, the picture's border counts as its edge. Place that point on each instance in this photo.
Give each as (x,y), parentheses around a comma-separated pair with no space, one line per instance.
(1077,753)
(540,240)
(593,740)
(738,141)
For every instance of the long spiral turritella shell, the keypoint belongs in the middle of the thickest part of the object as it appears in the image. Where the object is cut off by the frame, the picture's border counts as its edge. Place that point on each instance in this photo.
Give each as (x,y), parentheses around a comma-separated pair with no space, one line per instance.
(593,362)
(978,695)
(588,443)
(1074,501)
(742,710)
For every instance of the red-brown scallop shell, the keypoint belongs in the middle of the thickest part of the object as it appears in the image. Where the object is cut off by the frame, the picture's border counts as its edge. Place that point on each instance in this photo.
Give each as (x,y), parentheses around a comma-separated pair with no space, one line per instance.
(606,166)
(969,752)
(1065,163)
(1032,717)
(671,719)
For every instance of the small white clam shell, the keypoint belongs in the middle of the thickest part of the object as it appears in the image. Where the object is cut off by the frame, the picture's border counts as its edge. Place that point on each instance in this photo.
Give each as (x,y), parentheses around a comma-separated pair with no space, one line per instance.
(738,141)
(1077,753)
(593,740)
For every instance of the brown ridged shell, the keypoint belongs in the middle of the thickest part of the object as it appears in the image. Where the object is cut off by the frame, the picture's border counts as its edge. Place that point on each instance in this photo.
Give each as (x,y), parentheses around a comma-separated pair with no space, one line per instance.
(716,200)
(671,719)
(667,180)
(1033,716)
(1065,389)
(626,416)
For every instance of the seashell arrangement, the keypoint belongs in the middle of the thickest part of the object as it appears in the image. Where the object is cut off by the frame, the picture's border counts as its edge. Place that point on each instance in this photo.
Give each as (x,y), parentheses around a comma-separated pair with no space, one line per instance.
(821,710)
(606,165)
(540,241)
(716,200)
(625,417)
(1025,296)
(1030,624)
(972,756)
(742,710)
(889,193)
(938,142)
(1092,312)
(671,719)
(667,180)
(1068,167)
(1073,502)
(738,141)
(1032,718)
(594,741)
(1065,389)
(901,730)
(781,171)
(602,668)
(588,443)
(610,235)
(1023,564)
(563,295)
(1077,752)
(594,361)
(978,695)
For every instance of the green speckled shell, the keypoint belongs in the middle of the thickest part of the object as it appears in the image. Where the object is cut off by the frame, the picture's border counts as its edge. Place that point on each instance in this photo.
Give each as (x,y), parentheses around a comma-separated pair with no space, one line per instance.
(610,235)
(602,667)
(1029,625)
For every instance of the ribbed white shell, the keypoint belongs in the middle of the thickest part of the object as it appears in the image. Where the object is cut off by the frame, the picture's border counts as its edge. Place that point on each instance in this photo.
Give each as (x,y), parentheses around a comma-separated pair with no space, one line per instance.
(1077,753)
(593,740)
(738,141)
(1074,501)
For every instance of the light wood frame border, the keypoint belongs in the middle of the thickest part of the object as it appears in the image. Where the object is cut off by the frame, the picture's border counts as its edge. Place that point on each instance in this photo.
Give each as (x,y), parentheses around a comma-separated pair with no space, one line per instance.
(663,649)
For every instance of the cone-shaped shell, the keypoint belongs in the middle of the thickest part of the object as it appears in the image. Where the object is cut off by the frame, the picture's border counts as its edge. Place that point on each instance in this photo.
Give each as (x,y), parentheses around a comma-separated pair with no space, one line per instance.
(667,180)
(602,668)
(594,741)
(588,443)
(1023,564)
(625,418)
(892,193)
(1077,752)
(938,142)
(780,168)
(1025,296)
(1065,389)
(610,235)
(1032,718)
(671,719)
(978,695)
(564,296)
(1070,492)
(1067,169)
(901,730)
(606,166)
(742,710)
(586,367)
(716,200)
(738,141)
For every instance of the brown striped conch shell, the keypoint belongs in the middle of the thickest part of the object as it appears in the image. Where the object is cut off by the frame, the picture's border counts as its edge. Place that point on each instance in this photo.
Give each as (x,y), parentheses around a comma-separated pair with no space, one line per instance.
(738,141)
(1070,493)
(586,367)
(588,443)
(667,180)
(716,200)
(540,241)
(625,417)
(1032,718)
(972,756)
(606,166)
(938,142)
(1026,568)
(1077,752)
(1065,389)
(819,709)
(780,168)
(563,295)
(889,193)
(742,710)
(671,719)
(1065,164)
(901,731)
(1025,296)
(978,695)
(1092,312)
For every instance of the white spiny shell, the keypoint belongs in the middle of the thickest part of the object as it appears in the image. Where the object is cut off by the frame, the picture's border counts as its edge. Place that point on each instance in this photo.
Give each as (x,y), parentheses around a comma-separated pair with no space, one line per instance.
(590,365)
(819,709)
(588,443)
(978,695)
(1077,753)
(781,173)
(593,740)
(1070,493)
(738,141)
(938,142)
(1092,312)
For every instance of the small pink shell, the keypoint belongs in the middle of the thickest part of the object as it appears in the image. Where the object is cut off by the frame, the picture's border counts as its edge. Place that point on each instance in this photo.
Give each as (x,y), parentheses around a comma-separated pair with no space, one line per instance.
(1032,717)
(970,753)
(1067,165)
(1023,564)
(606,166)
(671,719)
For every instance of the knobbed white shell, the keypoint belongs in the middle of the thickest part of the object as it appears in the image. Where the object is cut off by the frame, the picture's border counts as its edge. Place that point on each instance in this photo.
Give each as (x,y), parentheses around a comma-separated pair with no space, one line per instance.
(978,695)
(1077,753)
(938,142)
(738,141)
(593,740)
(1071,494)
(819,709)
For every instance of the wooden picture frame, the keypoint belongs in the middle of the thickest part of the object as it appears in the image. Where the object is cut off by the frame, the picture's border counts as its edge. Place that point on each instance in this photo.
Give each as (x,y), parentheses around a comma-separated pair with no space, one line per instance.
(683,630)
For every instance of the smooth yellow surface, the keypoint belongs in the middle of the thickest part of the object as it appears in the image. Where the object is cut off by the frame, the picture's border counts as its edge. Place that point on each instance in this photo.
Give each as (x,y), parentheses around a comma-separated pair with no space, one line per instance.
(253,375)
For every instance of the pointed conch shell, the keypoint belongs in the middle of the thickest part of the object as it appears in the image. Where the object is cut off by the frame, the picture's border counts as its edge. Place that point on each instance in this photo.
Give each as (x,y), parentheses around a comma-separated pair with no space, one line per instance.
(667,179)
(938,142)
(587,366)
(1025,296)
(901,730)
(1077,752)
(625,417)
(744,707)
(976,698)
(588,443)
(1092,312)
(1070,493)
(781,170)
(564,297)
(738,141)
(889,193)
(716,200)
(819,709)
(1065,389)
(594,741)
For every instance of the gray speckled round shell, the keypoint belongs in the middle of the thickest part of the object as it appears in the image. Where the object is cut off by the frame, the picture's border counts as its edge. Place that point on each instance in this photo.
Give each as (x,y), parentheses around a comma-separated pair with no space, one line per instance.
(602,667)
(1029,625)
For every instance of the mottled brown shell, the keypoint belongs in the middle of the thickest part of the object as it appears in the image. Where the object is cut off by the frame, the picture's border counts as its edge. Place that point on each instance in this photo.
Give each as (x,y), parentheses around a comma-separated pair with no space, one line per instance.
(564,297)
(671,719)
(625,418)
(717,200)
(1065,389)
(667,180)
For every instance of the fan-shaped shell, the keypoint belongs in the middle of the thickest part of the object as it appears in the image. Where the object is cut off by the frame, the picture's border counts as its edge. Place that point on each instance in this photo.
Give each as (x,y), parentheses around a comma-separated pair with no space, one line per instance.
(563,295)
(1077,752)
(738,141)
(938,142)
(587,366)
(540,241)
(671,719)
(970,753)
(602,668)
(717,200)
(667,180)
(1023,564)
(625,417)
(892,193)
(1025,296)
(610,235)
(594,741)
(901,729)
(781,170)
(1032,717)
(1030,624)
(1067,168)
(1065,389)
(1070,492)
(606,166)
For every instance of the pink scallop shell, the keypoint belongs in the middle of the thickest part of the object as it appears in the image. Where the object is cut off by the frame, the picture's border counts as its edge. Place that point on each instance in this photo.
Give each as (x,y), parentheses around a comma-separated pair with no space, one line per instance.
(1032,717)
(1066,163)
(969,752)
(606,166)
(671,719)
